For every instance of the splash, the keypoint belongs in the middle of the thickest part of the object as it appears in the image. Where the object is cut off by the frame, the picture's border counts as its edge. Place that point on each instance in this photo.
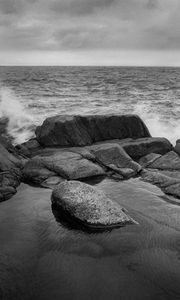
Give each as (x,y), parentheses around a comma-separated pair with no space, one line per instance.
(158,124)
(20,123)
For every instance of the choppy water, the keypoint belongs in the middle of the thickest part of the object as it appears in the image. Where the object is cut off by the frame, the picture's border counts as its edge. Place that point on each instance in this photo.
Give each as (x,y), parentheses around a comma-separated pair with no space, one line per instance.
(29,94)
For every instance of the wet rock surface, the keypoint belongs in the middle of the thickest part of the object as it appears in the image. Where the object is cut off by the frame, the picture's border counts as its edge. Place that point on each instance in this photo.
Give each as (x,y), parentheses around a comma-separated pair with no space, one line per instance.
(89,206)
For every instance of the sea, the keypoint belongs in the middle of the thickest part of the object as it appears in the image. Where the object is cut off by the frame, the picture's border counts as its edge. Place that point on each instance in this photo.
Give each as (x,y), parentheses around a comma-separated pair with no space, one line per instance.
(28,95)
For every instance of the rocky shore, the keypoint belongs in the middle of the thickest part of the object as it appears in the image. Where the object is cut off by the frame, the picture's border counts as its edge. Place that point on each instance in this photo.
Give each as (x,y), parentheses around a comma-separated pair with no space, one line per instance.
(68,151)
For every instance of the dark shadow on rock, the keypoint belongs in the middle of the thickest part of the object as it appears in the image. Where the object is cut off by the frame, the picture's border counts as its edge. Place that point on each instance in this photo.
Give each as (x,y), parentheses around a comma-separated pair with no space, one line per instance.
(93,180)
(65,219)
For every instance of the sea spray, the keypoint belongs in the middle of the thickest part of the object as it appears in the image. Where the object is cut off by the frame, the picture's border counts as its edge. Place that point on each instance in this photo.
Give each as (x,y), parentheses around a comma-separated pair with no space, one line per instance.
(157,125)
(20,123)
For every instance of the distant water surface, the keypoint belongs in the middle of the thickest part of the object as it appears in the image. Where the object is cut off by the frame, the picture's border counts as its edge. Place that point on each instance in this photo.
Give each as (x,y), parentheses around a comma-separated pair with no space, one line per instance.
(30,94)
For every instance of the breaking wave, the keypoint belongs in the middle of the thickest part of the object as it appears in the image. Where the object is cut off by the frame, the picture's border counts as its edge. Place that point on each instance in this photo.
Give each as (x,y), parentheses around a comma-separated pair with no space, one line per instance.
(20,122)
(157,125)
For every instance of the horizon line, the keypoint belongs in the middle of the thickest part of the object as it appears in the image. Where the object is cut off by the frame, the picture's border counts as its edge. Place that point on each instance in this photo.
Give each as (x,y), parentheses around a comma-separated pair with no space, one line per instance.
(108,66)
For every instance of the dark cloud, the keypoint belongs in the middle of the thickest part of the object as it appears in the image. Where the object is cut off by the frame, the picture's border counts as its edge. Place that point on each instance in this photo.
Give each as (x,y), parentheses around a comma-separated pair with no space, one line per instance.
(79,7)
(89,24)
(10,6)
(152,4)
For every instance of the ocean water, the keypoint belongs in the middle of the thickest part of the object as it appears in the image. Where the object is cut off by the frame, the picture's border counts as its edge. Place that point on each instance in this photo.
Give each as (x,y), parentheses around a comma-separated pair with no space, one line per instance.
(30,94)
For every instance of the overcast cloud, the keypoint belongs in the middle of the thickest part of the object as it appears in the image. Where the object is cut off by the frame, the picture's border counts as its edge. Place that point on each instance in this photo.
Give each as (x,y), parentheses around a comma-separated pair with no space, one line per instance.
(89,25)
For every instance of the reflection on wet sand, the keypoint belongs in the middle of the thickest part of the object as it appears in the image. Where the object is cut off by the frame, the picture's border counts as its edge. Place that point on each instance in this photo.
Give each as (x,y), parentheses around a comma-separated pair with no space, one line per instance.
(42,258)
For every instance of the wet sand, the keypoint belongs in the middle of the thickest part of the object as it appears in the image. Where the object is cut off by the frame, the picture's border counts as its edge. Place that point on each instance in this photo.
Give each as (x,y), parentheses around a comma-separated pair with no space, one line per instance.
(41,258)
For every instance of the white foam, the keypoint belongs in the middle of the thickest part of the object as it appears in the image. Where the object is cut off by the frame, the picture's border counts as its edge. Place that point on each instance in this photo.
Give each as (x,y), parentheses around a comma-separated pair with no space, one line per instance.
(19,121)
(158,127)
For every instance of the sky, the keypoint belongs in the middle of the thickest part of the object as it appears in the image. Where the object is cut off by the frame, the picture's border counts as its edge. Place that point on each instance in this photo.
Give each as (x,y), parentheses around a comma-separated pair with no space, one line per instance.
(90,32)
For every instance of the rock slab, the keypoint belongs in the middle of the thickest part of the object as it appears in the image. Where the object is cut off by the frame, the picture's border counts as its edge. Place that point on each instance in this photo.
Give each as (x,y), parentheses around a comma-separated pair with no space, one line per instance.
(66,164)
(136,148)
(89,206)
(114,157)
(169,161)
(167,181)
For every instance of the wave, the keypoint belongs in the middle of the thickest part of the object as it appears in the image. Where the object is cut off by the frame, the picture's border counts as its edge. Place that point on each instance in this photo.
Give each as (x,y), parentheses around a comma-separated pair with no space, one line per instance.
(157,124)
(20,123)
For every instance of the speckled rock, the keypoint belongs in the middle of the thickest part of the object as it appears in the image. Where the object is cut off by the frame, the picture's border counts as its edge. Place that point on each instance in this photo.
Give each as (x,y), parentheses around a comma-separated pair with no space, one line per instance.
(89,206)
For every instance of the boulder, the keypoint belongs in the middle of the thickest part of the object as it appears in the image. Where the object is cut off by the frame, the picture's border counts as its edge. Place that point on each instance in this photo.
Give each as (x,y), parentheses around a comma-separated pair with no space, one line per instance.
(34,172)
(137,148)
(158,178)
(65,130)
(114,157)
(7,160)
(89,206)
(10,173)
(143,146)
(4,137)
(169,161)
(6,192)
(148,159)
(177,147)
(29,148)
(169,184)
(67,165)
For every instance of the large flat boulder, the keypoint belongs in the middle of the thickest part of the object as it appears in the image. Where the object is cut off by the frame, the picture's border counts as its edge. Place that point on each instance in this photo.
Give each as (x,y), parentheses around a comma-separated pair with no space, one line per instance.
(89,206)
(114,157)
(64,130)
(66,164)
